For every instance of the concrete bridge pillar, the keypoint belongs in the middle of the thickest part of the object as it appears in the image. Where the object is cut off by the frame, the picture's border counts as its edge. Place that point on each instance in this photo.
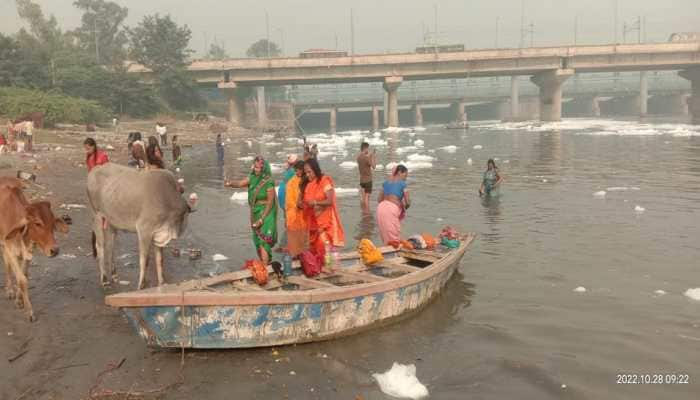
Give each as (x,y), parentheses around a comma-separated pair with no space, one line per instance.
(333,120)
(514,98)
(375,118)
(550,83)
(693,75)
(685,104)
(643,94)
(460,113)
(235,109)
(391,84)
(262,106)
(595,106)
(417,115)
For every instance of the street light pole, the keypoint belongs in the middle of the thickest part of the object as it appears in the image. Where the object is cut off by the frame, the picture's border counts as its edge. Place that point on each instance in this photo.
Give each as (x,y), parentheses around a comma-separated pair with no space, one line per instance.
(267,32)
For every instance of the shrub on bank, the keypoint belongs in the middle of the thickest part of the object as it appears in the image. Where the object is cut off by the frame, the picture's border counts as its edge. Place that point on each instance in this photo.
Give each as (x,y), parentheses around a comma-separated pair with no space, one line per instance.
(57,108)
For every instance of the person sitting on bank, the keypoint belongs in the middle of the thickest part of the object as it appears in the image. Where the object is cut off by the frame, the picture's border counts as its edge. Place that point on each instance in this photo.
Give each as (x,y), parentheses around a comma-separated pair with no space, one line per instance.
(93,155)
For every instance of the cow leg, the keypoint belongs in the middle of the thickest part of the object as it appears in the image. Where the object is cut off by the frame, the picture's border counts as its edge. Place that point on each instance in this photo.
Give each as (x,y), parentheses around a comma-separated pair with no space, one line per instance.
(144,251)
(109,234)
(100,248)
(22,288)
(9,284)
(159,265)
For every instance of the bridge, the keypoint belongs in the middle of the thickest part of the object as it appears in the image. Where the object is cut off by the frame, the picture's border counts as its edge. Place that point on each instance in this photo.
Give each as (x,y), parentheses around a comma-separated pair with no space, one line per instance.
(547,67)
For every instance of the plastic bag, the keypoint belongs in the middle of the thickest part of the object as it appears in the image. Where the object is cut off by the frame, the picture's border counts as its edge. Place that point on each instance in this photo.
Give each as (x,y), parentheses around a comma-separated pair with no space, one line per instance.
(369,253)
(258,271)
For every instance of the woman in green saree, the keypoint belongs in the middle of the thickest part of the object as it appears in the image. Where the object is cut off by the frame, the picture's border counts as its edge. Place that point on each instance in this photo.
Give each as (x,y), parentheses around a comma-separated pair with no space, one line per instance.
(263,206)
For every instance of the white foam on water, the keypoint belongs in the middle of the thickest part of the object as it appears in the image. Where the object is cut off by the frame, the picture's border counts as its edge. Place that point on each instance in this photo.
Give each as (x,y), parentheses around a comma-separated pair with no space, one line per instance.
(419,129)
(659,292)
(348,164)
(419,157)
(401,381)
(389,167)
(418,143)
(450,149)
(345,192)
(413,165)
(580,289)
(395,129)
(272,143)
(246,158)
(406,149)
(621,188)
(277,167)
(376,141)
(469,161)
(478,147)
(544,181)
(377,134)
(693,294)
(219,257)
(380,167)
(240,197)
(249,143)
(506,161)
(639,209)
(600,194)
(411,134)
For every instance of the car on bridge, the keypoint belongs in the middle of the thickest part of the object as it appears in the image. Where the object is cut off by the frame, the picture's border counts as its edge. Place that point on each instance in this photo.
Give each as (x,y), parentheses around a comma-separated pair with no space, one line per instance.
(684,37)
(322,53)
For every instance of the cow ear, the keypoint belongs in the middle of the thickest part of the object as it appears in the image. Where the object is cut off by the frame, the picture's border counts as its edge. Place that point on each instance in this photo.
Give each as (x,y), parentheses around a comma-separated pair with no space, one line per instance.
(61,225)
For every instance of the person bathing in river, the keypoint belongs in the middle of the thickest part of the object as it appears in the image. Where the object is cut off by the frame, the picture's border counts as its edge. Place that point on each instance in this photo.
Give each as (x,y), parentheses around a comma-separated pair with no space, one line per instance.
(219,149)
(393,202)
(366,162)
(492,179)
(263,207)
(321,210)
(93,155)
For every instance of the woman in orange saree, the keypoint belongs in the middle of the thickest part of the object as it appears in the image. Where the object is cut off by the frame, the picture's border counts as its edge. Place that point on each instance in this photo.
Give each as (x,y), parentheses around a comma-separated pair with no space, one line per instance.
(297,230)
(321,210)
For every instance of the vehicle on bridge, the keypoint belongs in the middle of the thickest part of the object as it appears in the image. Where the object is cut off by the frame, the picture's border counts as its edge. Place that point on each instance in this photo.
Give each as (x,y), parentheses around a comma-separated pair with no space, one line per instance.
(684,37)
(443,48)
(322,53)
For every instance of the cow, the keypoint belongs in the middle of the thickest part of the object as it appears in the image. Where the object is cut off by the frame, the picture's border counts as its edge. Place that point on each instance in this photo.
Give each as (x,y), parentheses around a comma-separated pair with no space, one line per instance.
(146,202)
(36,117)
(24,225)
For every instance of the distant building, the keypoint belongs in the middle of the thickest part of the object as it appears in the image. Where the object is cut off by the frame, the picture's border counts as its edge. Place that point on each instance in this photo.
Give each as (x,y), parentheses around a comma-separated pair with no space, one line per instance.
(684,37)
(322,53)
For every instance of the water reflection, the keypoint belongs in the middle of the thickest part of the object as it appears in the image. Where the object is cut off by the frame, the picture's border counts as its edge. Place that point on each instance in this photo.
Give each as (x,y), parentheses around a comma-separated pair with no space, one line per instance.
(365,226)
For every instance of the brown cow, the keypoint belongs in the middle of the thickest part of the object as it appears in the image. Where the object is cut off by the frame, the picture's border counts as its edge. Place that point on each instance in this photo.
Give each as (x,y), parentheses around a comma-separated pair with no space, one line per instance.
(36,117)
(23,225)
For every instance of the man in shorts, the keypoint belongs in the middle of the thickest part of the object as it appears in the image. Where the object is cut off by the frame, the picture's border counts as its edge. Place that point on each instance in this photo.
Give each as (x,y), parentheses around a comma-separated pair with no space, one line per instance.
(366,162)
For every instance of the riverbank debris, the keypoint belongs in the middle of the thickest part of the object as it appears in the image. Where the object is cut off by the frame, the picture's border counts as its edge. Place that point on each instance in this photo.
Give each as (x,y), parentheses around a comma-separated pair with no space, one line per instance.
(401,381)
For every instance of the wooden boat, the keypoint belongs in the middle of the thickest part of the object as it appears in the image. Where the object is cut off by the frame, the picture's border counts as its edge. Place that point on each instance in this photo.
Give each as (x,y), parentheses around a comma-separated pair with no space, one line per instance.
(231,311)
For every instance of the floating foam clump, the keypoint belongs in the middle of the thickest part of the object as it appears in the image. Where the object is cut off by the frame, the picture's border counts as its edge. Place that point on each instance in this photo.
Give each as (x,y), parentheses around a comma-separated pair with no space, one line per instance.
(659,292)
(401,381)
(693,294)
(417,164)
(240,196)
(380,167)
(276,167)
(621,188)
(478,147)
(469,161)
(249,143)
(419,157)
(449,149)
(600,195)
(348,164)
(246,158)
(419,129)
(419,143)
(219,257)
(394,129)
(406,149)
(377,134)
(580,289)
(639,209)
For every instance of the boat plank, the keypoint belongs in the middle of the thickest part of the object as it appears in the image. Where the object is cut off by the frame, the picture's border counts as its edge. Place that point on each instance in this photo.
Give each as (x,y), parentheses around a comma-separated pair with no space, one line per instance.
(313,283)
(365,276)
(245,286)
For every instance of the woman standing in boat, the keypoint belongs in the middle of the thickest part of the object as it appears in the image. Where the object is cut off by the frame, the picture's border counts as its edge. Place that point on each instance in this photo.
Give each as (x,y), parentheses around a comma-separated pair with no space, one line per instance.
(393,202)
(263,208)
(321,210)
(297,230)
(492,179)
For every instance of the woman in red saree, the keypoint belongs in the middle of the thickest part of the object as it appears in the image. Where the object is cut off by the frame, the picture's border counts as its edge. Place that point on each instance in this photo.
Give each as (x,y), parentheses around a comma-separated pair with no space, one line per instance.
(321,210)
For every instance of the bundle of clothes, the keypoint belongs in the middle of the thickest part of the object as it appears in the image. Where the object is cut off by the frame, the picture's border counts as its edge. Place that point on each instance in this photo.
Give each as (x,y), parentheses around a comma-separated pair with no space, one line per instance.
(449,237)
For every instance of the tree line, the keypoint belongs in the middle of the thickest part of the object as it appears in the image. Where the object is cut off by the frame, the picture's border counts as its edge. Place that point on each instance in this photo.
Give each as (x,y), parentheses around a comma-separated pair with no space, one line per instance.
(90,62)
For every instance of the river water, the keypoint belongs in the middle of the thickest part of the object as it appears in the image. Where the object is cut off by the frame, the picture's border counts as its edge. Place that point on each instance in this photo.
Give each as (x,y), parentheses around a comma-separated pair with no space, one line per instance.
(511,323)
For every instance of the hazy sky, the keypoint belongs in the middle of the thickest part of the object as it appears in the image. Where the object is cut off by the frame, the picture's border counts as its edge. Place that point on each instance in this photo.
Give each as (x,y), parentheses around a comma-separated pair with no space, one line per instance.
(394,25)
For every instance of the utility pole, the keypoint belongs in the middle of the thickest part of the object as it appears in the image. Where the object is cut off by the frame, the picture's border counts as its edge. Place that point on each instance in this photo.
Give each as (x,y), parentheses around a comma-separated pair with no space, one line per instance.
(352,33)
(576,30)
(267,32)
(615,3)
(498,21)
(435,40)
(522,23)
(532,34)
